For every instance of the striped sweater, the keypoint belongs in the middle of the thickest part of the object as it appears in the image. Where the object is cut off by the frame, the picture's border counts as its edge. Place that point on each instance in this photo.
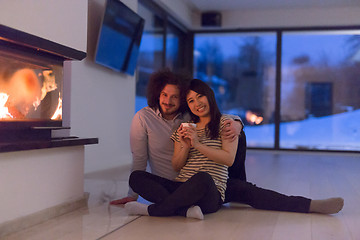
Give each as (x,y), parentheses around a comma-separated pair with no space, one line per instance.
(197,162)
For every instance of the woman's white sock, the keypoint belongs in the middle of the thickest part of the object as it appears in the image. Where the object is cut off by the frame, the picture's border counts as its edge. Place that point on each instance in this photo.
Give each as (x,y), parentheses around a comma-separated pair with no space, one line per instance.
(195,212)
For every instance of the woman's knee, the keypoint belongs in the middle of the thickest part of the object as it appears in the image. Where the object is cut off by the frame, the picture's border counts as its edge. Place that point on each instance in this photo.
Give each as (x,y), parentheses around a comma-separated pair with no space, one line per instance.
(203,178)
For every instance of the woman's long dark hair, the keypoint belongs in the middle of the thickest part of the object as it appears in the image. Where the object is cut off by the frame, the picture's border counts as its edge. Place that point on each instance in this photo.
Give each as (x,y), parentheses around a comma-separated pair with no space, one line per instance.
(202,88)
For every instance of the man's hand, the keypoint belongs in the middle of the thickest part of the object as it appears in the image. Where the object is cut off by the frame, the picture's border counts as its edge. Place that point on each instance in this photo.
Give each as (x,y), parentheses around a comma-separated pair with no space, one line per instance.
(232,129)
(122,201)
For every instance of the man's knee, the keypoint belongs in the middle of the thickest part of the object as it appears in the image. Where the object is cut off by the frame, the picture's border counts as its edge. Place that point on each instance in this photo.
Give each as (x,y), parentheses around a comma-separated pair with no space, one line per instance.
(134,178)
(239,191)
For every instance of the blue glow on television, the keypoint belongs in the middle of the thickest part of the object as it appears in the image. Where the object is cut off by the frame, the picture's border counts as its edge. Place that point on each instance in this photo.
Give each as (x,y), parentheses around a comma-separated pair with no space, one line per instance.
(119,38)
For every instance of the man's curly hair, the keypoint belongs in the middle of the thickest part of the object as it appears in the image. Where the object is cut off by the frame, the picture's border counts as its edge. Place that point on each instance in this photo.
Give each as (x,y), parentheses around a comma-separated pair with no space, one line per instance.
(158,80)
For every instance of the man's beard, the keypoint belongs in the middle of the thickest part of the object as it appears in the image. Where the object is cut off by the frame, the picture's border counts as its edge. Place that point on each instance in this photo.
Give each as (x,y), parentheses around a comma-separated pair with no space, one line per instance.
(168,109)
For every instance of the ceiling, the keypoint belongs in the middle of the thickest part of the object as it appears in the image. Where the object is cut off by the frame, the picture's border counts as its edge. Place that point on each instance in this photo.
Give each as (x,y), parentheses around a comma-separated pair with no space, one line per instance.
(224,5)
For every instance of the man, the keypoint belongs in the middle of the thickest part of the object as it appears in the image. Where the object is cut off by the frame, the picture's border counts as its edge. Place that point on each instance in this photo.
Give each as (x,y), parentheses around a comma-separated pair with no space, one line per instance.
(150,142)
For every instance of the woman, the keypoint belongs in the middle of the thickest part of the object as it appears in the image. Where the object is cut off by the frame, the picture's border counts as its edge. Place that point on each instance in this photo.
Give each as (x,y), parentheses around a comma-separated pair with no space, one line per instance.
(202,157)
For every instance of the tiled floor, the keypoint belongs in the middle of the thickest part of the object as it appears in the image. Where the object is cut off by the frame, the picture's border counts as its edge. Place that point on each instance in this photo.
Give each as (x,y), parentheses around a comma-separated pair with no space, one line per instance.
(312,175)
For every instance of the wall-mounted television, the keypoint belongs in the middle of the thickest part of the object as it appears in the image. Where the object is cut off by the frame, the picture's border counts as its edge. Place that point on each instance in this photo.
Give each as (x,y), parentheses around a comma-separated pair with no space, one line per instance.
(119,38)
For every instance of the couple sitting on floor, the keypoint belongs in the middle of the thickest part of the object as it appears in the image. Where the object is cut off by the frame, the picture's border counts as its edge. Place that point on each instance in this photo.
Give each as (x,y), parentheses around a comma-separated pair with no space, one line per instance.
(194,173)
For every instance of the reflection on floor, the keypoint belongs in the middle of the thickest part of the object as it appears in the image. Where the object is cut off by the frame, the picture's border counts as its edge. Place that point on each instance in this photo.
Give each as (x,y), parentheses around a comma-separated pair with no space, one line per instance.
(309,174)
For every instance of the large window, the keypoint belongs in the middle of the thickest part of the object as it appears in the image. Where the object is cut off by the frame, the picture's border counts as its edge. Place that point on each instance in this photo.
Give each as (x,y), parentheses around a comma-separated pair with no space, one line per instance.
(293,89)
(240,68)
(320,90)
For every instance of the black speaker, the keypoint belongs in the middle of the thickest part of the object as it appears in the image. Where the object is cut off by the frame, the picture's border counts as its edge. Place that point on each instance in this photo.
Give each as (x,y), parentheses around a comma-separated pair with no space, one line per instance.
(211,19)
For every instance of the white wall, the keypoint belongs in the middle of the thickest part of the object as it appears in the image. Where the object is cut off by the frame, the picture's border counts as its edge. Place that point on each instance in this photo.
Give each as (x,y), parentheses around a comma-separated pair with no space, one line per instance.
(62,21)
(31,181)
(102,102)
(291,17)
(180,11)
(268,17)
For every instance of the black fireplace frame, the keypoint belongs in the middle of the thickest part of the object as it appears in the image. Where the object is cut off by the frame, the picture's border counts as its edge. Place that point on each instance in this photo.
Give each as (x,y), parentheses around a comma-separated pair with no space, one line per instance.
(41,46)
(20,43)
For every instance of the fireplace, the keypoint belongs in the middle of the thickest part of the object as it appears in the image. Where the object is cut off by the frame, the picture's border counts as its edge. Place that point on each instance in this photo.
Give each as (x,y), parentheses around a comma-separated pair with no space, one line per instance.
(38,166)
(31,85)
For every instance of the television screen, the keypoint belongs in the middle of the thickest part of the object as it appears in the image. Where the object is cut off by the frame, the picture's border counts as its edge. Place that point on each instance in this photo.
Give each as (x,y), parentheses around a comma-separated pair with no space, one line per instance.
(119,38)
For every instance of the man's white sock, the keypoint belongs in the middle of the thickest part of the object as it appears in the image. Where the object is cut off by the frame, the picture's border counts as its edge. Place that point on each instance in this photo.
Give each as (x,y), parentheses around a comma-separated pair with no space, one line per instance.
(326,206)
(136,208)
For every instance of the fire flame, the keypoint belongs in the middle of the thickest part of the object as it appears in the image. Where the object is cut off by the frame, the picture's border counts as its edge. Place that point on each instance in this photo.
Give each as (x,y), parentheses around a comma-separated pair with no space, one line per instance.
(24,89)
(253,118)
(22,93)
(49,83)
(4,111)
(58,112)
